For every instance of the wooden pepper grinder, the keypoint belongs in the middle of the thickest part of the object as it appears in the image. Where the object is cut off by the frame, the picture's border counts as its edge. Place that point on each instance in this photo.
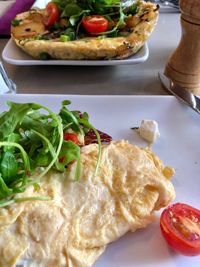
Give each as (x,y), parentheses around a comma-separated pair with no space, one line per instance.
(184,64)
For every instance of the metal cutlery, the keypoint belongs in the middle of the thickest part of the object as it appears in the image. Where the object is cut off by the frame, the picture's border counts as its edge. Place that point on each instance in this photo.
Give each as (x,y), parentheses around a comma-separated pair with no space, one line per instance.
(10,86)
(183,94)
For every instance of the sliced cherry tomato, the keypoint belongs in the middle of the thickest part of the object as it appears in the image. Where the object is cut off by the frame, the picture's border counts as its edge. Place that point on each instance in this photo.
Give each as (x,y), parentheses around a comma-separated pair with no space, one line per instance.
(180,225)
(71,137)
(95,24)
(52,14)
(61,159)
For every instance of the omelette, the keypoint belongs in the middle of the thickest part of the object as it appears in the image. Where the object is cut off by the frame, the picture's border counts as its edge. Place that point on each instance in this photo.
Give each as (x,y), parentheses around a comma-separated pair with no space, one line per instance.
(67,40)
(83,217)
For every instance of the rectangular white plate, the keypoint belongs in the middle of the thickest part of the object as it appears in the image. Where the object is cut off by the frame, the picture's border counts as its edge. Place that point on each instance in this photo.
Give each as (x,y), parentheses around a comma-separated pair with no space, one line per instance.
(178,146)
(15,56)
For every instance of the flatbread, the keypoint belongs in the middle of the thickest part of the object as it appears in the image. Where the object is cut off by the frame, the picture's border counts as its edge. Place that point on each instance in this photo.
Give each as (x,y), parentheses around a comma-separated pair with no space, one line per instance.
(140,27)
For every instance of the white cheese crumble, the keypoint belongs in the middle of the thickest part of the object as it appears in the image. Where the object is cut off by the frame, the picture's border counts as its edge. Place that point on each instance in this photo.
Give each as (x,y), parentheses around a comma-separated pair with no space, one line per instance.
(149,131)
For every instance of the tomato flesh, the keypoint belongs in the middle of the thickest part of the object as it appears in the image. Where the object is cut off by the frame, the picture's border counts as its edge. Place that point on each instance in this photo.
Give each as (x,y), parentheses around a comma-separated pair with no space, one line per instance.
(52,14)
(95,24)
(71,137)
(180,226)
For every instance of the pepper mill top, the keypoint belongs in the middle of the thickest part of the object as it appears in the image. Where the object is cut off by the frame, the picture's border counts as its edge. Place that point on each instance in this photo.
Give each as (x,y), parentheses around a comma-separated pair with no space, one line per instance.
(190,10)
(184,64)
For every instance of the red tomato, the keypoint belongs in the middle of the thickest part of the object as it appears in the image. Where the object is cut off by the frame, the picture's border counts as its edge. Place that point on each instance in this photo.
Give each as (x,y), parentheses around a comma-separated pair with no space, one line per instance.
(95,24)
(180,225)
(61,159)
(52,14)
(71,137)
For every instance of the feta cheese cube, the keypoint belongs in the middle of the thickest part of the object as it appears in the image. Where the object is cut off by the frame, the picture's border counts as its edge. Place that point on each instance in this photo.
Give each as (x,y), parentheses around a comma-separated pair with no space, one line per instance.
(149,131)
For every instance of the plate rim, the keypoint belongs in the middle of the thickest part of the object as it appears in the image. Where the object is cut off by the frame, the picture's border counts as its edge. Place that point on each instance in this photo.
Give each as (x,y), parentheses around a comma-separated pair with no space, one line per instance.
(88,96)
(31,62)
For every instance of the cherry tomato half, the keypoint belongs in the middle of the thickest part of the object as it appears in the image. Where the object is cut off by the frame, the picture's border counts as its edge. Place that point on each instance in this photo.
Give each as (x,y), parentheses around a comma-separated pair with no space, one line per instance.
(95,24)
(51,15)
(180,225)
(71,137)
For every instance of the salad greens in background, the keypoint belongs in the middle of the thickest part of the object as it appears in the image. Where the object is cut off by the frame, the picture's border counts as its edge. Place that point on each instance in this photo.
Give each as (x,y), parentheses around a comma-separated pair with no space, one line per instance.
(75,10)
(32,142)
(72,13)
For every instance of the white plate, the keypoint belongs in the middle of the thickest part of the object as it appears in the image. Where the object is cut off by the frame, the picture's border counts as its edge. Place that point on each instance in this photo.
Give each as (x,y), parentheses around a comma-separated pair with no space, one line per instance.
(15,56)
(178,146)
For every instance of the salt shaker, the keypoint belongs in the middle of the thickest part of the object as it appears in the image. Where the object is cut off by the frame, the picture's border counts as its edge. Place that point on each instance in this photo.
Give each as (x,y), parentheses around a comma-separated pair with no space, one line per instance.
(183,66)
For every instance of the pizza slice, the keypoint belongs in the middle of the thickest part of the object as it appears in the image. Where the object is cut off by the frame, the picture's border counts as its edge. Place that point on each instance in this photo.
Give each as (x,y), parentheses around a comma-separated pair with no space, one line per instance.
(85,29)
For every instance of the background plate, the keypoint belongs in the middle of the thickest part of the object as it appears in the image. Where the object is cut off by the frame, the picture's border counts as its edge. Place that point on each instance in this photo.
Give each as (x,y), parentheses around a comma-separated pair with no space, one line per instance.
(15,56)
(178,146)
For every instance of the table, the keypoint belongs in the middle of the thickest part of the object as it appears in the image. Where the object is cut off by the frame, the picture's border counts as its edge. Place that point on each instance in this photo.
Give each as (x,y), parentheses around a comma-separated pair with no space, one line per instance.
(140,79)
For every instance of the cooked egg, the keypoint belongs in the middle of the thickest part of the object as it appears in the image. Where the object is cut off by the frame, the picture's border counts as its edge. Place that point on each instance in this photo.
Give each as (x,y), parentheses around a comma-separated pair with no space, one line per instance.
(74,228)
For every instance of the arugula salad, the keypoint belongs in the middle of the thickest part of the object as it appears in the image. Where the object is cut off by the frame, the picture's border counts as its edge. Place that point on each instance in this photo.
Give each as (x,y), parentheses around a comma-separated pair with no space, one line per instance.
(74,19)
(34,139)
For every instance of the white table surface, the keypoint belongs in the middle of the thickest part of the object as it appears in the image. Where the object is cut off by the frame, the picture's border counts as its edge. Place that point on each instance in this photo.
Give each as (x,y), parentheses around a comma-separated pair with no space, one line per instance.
(140,79)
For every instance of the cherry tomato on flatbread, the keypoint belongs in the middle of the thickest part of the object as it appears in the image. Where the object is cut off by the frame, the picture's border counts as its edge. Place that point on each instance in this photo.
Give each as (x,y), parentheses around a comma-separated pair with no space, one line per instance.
(95,24)
(51,15)
(180,225)
(71,137)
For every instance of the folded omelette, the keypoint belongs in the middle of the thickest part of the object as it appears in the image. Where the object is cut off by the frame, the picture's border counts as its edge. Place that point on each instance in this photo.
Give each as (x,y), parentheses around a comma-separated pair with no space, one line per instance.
(83,217)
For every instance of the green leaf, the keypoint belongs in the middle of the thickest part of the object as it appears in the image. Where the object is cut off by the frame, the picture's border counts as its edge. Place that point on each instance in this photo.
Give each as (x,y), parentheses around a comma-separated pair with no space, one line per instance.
(9,167)
(64,38)
(4,203)
(66,102)
(69,117)
(4,189)
(59,142)
(13,137)
(30,139)
(133,9)
(62,3)
(15,22)
(68,153)
(10,119)
(115,10)
(42,160)
(74,19)
(47,147)
(45,56)
(71,10)
(71,33)
(24,155)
